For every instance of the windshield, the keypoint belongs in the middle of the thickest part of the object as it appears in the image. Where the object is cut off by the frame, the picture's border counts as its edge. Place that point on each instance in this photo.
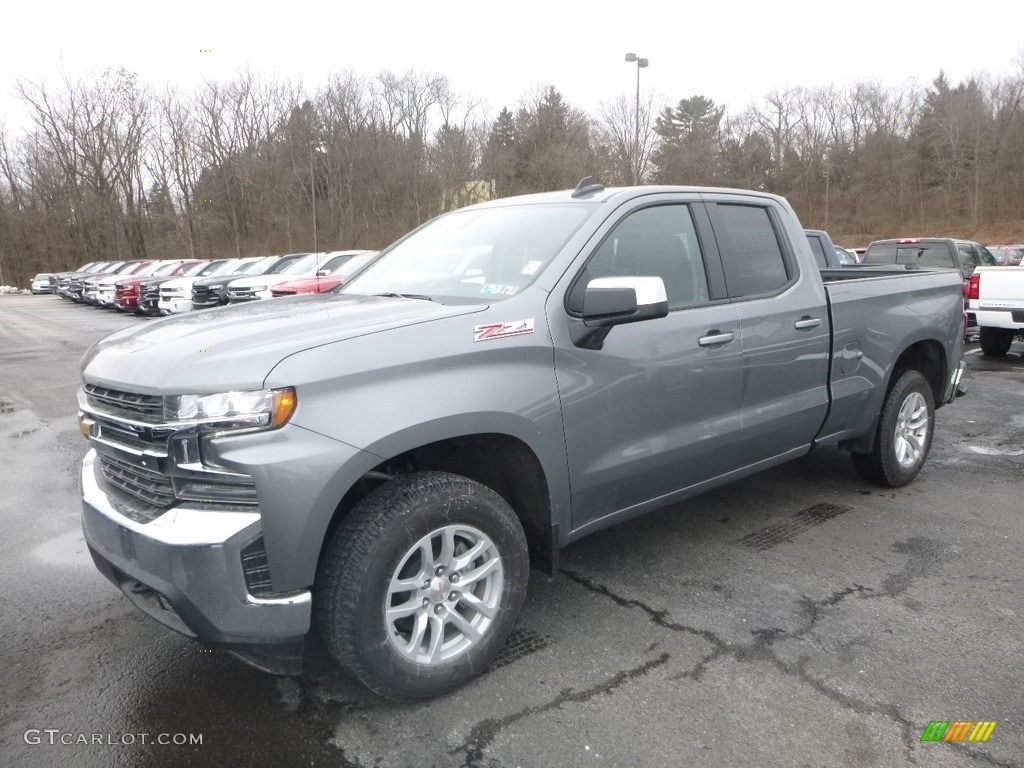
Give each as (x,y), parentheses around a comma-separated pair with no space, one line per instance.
(226,267)
(262,266)
(195,269)
(334,262)
(151,269)
(305,265)
(355,263)
(166,269)
(480,255)
(210,269)
(257,266)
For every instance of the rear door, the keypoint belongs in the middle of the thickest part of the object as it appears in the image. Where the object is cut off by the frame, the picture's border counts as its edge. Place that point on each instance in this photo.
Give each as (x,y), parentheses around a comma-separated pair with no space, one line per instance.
(784,326)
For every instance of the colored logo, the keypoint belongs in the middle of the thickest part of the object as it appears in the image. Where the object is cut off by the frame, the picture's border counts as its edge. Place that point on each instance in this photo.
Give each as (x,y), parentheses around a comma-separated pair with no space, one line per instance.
(958,730)
(502,330)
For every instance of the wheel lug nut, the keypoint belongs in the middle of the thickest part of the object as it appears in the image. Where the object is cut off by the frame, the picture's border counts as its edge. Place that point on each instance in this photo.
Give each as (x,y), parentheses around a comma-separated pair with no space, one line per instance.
(426,584)
(440,570)
(453,596)
(454,578)
(439,610)
(426,601)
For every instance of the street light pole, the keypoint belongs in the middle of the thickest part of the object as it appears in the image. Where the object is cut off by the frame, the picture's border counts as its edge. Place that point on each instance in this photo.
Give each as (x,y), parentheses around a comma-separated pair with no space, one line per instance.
(312,191)
(640,64)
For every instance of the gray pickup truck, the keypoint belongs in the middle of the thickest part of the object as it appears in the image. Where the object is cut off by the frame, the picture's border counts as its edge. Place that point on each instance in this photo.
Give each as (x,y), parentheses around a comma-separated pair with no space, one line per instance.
(380,463)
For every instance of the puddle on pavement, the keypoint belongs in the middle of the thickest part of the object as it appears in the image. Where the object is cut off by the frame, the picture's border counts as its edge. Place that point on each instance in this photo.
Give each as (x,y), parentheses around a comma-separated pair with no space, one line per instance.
(66,549)
(986,451)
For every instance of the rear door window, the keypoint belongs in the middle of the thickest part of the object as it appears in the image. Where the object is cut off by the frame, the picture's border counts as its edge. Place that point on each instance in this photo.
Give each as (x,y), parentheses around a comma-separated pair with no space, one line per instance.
(755,264)
(818,251)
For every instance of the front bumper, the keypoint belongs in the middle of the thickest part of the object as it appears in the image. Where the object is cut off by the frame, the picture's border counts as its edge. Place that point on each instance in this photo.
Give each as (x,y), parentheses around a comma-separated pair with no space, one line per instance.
(184,568)
(238,296)
(175,306)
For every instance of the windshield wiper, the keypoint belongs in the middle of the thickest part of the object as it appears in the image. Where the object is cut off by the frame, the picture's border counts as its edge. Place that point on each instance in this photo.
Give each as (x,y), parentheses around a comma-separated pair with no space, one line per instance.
(403,296)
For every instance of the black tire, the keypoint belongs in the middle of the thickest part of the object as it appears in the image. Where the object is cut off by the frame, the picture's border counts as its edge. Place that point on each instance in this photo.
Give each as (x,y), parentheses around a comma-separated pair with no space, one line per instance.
(884,465)
(364,555)
(995,342)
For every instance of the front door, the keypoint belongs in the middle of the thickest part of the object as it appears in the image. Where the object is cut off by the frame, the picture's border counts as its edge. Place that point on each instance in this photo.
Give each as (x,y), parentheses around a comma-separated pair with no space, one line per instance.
(654,406)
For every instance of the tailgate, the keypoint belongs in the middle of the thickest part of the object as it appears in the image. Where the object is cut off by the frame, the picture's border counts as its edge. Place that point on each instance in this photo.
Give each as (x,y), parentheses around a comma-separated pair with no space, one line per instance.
(1000,288)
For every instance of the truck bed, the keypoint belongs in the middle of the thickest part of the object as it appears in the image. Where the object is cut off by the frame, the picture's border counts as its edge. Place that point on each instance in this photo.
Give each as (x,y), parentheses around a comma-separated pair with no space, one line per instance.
(869,328)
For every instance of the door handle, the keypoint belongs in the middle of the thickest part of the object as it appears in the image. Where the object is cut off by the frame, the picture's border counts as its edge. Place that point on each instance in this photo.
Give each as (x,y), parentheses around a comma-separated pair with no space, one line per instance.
(807,322)
(716,338)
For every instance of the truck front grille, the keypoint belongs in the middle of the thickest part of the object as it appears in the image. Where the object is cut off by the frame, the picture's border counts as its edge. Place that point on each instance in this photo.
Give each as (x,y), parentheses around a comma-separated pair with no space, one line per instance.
(151,487)
(205,296)
(149,296)
(149,408)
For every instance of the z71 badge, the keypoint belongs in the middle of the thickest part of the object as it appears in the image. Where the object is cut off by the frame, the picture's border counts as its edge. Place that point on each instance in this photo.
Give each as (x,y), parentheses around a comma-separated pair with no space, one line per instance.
(502,330)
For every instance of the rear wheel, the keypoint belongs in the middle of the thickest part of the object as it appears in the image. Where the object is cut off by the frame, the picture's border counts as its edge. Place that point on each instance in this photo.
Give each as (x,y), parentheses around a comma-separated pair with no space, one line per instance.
(995,342)
(421,584)
(904,434)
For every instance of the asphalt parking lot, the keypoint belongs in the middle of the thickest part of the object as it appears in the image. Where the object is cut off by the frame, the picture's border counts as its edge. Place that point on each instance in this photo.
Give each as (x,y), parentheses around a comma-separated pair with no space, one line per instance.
(798,618)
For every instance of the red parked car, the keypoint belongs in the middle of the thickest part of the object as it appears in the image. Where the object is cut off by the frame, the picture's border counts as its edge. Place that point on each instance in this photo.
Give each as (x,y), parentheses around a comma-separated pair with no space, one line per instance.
(126,292)
(1008,255)
(337,270)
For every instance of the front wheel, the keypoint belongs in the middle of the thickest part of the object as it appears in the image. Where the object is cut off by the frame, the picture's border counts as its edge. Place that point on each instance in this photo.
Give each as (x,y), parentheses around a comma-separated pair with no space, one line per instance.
(421,584)
(904,435)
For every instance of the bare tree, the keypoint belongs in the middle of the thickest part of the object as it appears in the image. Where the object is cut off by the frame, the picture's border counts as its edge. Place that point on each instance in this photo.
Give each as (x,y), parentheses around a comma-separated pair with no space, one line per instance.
(629,149)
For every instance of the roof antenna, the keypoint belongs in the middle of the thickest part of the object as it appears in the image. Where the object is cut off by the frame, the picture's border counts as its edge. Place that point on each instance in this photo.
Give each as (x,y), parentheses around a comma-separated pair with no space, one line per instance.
(587,186)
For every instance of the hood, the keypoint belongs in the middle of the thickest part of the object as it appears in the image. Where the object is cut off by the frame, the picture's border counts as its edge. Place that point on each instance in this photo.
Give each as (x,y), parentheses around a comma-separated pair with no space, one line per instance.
(248,282)
(126,279)
(215,282)
(235,347)
(110,279)
(310,284)
(151,281)
(178,282)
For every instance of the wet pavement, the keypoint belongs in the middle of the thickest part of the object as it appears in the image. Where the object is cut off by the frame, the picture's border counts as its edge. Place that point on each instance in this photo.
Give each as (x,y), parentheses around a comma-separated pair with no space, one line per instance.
(798,618)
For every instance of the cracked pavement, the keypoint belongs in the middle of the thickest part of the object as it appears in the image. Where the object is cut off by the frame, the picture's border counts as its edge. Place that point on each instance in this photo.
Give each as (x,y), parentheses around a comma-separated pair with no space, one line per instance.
(797,618)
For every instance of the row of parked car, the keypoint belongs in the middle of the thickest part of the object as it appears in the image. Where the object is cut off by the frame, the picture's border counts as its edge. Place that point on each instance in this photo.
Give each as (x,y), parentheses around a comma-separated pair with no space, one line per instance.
(1008,255)
(181,285)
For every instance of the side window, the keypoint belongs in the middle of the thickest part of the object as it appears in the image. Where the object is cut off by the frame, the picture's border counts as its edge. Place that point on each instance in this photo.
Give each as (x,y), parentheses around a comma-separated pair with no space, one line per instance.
(751,254)
(818,251)
(985,257)
(968,257)
(660,241)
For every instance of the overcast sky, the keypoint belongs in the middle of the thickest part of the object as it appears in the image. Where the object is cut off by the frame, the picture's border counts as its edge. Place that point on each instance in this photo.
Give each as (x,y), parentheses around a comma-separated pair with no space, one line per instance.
(731,52)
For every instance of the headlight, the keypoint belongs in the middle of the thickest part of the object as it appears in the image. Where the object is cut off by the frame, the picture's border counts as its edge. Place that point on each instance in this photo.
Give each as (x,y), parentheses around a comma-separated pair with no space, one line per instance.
(257,288)
(264,409)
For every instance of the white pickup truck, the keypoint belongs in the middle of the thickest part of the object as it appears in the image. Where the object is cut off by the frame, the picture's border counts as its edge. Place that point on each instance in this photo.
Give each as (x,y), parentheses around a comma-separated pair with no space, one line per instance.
(996,296)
